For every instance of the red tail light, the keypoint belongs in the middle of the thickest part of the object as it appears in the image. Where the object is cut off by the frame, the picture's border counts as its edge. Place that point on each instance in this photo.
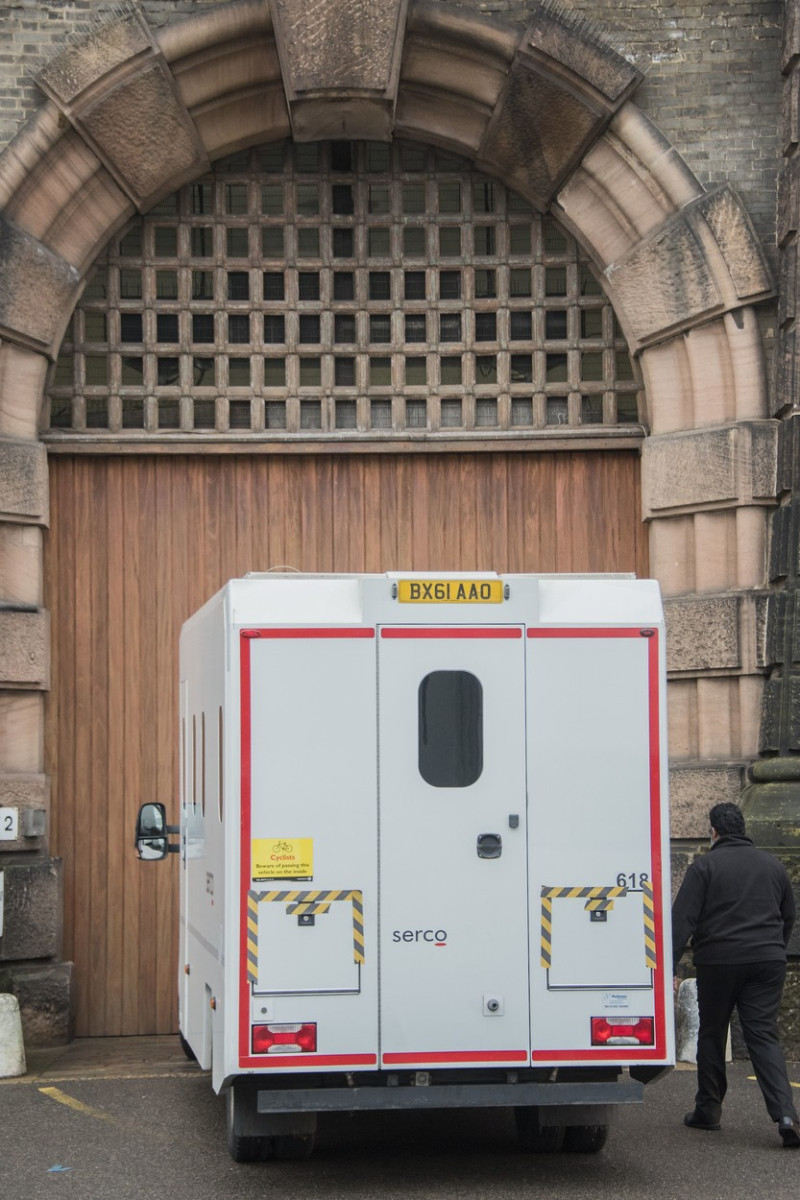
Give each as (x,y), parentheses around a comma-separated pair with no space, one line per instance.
(622,1031)
(284,1039)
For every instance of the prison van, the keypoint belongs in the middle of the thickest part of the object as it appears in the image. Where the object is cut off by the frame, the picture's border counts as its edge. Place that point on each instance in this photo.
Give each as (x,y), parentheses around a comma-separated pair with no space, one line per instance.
(423,850)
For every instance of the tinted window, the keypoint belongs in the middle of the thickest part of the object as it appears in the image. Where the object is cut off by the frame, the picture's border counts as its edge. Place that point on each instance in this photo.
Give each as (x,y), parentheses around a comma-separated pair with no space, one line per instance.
(450,729)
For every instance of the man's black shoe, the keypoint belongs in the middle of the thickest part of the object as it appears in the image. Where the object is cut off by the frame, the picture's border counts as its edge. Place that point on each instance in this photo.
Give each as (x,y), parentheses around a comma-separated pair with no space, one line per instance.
(695,1121)
(789,1130)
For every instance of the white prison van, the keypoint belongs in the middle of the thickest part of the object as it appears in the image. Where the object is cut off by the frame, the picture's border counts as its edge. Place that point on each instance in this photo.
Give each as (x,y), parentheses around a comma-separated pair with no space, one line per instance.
(424,856)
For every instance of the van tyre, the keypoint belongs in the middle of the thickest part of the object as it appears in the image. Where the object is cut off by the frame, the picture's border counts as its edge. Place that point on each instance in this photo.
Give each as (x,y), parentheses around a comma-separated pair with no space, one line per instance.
(585,1139)
(535,1138)
(293,1147)
(249,1149)
(243,1147)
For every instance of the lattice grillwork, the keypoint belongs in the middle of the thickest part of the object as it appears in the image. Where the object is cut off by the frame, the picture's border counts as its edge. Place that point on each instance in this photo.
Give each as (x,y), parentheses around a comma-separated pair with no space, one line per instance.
(341,289)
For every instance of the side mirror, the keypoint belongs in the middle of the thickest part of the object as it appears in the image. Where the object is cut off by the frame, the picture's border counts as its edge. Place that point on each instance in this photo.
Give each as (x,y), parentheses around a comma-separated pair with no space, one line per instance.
(152,848)
(152,841)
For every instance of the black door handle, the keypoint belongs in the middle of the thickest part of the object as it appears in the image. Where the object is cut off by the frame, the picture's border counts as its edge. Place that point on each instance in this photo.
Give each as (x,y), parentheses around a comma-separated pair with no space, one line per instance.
(490,845)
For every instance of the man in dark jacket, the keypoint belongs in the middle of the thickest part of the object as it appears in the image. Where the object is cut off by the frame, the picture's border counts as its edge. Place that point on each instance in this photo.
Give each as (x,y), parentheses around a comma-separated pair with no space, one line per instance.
(736,905)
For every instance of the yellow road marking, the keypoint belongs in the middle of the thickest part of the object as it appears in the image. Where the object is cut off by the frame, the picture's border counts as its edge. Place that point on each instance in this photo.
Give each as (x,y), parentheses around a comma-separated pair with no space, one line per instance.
(134,1128)
(753,1078)
(130,1127)
(70,1101)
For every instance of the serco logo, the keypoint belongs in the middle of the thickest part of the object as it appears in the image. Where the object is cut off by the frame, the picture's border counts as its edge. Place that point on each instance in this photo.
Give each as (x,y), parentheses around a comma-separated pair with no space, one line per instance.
(437,937)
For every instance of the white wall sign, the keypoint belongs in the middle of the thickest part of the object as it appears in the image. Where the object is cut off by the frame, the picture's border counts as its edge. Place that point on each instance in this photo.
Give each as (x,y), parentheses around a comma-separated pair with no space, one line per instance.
(9,824)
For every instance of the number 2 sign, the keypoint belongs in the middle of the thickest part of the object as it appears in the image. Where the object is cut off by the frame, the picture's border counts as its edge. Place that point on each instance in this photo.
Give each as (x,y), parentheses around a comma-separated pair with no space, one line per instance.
(9,824)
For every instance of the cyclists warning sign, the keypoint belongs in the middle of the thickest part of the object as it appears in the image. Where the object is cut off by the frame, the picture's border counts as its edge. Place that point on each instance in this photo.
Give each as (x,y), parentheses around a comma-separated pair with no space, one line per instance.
(283,858)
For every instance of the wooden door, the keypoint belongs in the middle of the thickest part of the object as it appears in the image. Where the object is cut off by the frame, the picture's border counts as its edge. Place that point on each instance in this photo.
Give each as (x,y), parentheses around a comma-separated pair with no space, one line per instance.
(137,543)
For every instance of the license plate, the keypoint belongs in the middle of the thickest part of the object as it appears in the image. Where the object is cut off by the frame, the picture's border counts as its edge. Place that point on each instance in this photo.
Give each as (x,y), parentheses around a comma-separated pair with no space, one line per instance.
(450,591)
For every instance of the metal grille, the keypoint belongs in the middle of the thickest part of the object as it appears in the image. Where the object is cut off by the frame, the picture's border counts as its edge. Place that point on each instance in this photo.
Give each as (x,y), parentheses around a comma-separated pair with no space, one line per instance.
(337,289)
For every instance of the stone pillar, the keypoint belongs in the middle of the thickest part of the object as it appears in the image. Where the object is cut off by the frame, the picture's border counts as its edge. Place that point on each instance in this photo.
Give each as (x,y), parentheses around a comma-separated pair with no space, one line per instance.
(36,297)
(30,933)
(771,801)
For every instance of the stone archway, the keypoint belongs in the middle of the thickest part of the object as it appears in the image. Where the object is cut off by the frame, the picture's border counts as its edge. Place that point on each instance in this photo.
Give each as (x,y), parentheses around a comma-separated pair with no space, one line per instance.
(546,108)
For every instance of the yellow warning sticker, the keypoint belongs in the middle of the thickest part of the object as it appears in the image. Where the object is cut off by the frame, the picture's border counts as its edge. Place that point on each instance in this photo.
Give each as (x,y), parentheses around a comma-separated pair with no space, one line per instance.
(283,858)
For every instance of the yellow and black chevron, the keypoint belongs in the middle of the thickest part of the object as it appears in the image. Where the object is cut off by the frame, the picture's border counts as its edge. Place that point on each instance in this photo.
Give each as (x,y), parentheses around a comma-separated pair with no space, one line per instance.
(649,924)
(547,929)
(597,899)
(302,903)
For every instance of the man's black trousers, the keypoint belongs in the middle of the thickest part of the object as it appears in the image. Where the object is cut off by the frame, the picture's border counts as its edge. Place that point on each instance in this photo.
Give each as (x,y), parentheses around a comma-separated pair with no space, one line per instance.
(754,989)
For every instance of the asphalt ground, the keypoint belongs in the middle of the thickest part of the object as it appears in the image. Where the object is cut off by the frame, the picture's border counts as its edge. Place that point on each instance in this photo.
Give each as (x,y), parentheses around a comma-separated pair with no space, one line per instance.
(113,1119)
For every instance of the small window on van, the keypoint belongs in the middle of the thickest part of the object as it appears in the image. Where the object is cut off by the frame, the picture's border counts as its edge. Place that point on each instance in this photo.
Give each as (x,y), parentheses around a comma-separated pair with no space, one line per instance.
(450,729)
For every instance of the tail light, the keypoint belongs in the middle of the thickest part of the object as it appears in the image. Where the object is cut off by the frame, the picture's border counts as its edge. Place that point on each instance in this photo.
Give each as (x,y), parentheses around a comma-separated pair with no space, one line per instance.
(622,1031)
(284,1039)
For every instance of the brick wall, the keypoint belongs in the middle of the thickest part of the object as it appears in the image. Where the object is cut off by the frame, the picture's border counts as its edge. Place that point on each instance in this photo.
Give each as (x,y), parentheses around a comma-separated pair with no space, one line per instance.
(712,73)
(712,82)
(32,30)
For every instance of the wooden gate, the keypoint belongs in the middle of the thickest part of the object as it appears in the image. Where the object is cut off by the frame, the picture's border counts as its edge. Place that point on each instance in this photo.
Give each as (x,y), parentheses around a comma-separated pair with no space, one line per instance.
(138,543)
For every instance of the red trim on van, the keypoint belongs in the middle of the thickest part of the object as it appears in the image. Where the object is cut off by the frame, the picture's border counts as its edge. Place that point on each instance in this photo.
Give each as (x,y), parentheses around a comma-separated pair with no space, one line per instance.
(311,1061)
(613,1054)
(308,631)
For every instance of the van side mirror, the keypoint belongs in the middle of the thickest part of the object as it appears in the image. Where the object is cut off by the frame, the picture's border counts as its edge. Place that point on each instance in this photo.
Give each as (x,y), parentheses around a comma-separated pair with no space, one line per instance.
(152,841)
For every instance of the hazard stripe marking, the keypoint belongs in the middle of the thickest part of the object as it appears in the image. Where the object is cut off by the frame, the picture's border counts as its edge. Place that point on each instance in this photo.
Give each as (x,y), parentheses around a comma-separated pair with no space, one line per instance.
(302,903)
(581,893)
(547,929)
(252,937)
(648,905)
(598,899)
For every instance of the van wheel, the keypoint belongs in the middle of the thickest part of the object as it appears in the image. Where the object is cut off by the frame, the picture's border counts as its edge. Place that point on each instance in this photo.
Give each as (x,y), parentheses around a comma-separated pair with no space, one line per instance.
(585,1139)
(293,1146)
(248,1149)
(187,1049)
(536,1138)
(243,1148)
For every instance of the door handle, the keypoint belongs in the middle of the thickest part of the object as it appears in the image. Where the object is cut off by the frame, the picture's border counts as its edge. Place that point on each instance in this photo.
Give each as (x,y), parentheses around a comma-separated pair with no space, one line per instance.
(489,845)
